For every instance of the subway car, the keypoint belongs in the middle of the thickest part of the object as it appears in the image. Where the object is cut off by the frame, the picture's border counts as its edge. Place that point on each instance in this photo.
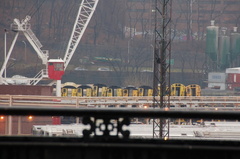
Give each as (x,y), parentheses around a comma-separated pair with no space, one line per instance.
(99,90)
(145,91)
(68,89)
(84,91)
(114,91)
(130,91)
(193,90)
(178,89)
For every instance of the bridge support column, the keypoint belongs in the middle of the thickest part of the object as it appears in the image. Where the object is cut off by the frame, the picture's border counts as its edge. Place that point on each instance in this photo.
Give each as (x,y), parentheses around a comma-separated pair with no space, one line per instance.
(58,88)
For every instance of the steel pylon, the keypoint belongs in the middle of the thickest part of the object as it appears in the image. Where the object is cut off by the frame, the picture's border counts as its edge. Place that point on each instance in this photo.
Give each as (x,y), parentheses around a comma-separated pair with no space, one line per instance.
(162,12)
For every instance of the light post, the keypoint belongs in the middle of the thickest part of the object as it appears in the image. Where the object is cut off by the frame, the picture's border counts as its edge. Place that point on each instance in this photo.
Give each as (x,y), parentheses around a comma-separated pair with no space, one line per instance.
(153,54)
(5,50)
(129,45)
(19,125)
(25,56)
(190,18)
(9,120)
(128,50)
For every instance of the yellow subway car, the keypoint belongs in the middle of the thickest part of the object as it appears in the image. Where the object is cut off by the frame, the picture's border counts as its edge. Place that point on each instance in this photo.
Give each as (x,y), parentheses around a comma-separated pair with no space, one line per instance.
(130,91)
(193,90)
(178,89)
(69,89)
(99,90)
(145,91)
(113,91)
(84,91)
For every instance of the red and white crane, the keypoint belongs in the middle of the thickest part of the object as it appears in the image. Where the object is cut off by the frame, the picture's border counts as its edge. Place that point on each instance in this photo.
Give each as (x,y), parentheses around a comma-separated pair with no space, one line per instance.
(54,67)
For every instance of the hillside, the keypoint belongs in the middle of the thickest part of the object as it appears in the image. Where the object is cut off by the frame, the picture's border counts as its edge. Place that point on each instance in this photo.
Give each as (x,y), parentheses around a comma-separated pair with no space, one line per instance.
(52,22)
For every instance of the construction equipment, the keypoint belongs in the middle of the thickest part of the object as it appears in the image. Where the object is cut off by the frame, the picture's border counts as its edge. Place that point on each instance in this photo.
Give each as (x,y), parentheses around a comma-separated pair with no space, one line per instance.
(55,67)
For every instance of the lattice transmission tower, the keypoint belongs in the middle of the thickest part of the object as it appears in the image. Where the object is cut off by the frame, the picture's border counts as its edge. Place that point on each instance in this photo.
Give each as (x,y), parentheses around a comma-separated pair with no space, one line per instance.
(162,12)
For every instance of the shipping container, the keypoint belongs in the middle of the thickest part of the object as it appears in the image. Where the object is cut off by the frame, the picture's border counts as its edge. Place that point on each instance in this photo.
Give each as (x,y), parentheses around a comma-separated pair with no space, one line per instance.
(233,70)
(26,90)
(216,77)
(233,86)
(219,86)
(233,78)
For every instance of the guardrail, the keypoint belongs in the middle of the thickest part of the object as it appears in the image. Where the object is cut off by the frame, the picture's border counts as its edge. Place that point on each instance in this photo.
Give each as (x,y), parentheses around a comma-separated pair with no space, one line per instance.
(138,101)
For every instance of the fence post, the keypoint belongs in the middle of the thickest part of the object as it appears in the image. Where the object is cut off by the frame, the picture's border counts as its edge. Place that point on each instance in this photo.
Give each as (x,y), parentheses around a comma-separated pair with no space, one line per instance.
(10,117)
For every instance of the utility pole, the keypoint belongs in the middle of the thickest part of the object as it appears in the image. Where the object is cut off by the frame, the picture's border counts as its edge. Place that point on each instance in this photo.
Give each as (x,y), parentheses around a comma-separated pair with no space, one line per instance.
(5,50)
(162,56)
(25,55)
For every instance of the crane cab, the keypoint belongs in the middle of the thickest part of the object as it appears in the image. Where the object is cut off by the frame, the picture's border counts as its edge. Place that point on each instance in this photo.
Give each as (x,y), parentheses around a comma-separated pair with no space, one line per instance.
(55,69)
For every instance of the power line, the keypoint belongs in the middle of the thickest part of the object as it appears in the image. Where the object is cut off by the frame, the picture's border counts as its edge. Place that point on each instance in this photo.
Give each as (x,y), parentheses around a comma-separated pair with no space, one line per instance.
(32,12)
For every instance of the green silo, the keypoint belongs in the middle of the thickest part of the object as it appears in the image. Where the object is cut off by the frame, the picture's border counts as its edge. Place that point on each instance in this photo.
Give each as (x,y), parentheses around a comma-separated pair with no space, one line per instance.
(224,51)
(234,44)
(212,41)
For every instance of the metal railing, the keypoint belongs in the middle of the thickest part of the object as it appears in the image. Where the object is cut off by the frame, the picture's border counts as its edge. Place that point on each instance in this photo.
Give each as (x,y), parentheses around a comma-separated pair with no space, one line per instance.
(200,102)
(118,113)
(43,73)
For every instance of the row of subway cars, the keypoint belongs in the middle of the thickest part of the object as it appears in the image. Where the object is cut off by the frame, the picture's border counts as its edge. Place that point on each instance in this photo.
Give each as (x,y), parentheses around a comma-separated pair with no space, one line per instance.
(70,89)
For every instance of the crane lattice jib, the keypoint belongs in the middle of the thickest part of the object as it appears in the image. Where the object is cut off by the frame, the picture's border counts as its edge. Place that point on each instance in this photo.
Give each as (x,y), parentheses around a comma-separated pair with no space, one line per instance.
(86,10)
(25,27)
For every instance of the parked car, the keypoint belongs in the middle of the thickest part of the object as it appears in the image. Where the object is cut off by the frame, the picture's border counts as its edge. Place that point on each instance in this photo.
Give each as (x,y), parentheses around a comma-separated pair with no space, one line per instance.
(104,69)
(146,71)
(80,69)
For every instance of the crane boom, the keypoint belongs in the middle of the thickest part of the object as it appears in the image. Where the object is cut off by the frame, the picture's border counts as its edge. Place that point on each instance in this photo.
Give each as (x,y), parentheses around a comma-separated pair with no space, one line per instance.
(25,27)
(85,12)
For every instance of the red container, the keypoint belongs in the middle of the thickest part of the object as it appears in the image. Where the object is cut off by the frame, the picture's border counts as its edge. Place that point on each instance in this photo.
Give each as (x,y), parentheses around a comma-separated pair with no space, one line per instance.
(233,86)
(56,120)
(233,78)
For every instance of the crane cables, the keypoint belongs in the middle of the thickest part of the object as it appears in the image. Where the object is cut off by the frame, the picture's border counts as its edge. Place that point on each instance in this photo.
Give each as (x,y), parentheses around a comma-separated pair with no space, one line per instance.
(31,12)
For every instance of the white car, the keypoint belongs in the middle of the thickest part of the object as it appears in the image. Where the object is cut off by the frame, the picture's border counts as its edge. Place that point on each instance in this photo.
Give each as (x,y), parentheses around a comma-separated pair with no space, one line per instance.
(104,69)
(146,71)
(80,69)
